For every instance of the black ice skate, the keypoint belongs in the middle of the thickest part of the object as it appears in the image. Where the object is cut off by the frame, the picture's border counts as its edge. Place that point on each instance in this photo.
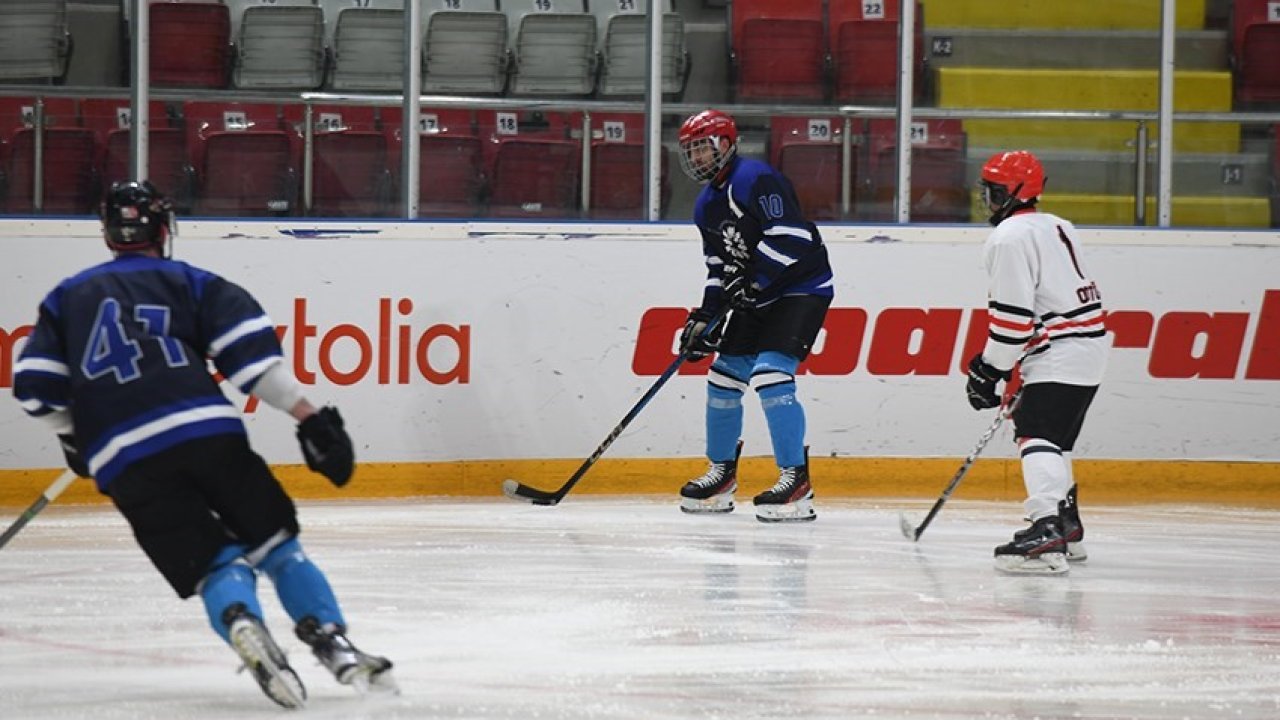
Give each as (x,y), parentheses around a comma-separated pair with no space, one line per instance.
(1037,550)
(1072,528)
(713,492)
(349,665)
(790,499)
(263,658)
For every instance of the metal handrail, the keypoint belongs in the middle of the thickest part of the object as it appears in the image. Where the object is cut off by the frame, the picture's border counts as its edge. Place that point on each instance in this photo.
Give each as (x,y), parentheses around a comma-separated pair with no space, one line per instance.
(848,113)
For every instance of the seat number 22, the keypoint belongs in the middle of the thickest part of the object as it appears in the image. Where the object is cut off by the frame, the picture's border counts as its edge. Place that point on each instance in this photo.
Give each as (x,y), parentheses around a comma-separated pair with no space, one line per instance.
(111,350)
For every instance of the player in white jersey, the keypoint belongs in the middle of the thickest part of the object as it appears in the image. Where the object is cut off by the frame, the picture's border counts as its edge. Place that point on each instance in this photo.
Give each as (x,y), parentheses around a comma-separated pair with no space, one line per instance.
(1045,313)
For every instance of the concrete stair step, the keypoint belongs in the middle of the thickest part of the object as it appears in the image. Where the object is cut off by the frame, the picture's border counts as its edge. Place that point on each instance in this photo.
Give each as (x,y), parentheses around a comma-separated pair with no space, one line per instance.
(1245,175)
(1078,14)
(1188,211)
(1086,89)
(1080,49)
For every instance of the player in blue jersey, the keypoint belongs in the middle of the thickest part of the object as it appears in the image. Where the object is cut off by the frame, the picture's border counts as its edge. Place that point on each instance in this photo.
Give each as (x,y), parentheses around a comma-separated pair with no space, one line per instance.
(767,262)
(117,366)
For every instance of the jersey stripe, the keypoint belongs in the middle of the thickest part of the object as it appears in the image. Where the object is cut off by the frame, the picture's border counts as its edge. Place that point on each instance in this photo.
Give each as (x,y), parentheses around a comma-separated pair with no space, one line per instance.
(42,366)
(240,331)
(158,427)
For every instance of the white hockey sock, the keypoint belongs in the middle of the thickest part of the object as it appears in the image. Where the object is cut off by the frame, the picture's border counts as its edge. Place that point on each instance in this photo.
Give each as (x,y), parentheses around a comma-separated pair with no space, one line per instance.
(1047,476)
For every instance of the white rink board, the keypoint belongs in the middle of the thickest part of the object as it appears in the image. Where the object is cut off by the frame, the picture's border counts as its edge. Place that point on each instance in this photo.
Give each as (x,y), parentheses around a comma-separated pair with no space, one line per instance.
(552,315)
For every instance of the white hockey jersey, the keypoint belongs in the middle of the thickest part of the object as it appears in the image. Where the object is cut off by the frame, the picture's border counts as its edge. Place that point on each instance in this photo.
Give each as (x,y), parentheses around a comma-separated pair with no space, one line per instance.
(1043,303)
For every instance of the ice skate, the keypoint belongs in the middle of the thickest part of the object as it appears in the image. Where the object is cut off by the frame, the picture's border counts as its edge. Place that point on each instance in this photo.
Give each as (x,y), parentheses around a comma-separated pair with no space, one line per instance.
(790,499)
(1072,528)
(348,664)
(263,658)
(713,492)
(1037,550)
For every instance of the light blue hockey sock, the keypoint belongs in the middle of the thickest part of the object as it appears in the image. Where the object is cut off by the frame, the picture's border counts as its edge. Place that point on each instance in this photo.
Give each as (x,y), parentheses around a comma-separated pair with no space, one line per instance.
(774,380)
(231,581)
(725,385)
(302,587)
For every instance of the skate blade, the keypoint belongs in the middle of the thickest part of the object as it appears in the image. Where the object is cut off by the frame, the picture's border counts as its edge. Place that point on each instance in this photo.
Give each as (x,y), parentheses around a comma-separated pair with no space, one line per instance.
(278,682)
(1076,552)
(1046,564)
(706,507)
(799,511)
(383,683)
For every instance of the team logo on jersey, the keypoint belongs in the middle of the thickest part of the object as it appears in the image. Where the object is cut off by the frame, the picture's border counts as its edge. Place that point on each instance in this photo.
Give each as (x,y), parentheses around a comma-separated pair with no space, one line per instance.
(734,244)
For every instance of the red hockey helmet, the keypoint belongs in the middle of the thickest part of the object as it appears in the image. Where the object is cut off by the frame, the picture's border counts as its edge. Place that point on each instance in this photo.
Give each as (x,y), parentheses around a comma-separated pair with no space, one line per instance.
(136,217)
(701,156)
(1011,180)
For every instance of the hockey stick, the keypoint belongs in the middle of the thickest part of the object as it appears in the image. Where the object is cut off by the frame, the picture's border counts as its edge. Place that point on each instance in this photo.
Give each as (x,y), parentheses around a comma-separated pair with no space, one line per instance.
(913,533)
(50,494)
(520,491)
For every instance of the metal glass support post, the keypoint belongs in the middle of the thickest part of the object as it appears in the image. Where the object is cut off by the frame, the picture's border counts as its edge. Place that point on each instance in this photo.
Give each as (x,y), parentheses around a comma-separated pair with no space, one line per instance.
(1164,180)
(308,156)
(37,172)
(1140,176)
(586,162)
(906,99)
(846,159)
(409,179)
(653,115)
(140,92)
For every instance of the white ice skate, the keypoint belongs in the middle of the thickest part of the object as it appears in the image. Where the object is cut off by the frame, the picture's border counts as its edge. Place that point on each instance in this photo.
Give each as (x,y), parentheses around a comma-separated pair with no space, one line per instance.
(265,659)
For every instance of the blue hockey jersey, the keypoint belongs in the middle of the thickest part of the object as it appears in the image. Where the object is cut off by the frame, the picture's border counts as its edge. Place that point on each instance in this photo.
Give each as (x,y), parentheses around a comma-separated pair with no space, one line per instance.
(124,347)
(754,221)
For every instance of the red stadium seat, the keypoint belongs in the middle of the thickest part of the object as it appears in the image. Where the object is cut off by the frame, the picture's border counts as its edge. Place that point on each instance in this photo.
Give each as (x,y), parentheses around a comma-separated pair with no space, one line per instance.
(536,177)
(190,44)
(169,166)
(70,153)
(778,49)
(864,49)
(19,112)
(808,151)
(70,184)
(350,176)
(244,158)
(167,160)
(451,174)
(939,190)
(1255,47)
(535,167)
(1258,64)
(618,162)
(1275,176)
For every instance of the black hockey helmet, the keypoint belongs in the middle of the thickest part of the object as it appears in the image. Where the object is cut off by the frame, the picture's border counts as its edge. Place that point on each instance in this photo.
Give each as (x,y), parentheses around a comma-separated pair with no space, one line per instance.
(136,217)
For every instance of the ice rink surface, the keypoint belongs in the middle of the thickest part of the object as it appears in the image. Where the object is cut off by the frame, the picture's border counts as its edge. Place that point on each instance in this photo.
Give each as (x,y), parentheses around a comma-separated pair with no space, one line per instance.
(610,608)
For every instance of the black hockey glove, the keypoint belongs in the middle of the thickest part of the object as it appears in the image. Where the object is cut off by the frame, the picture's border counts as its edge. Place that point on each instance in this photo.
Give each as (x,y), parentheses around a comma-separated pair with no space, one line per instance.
(326,446)
(75,460)
(981,385)
(739,292)
(695,342)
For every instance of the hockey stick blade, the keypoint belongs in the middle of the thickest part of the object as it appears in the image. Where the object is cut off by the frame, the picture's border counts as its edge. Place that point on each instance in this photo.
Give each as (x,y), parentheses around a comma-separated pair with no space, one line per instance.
(908,529)
(520,491)
(1006,410)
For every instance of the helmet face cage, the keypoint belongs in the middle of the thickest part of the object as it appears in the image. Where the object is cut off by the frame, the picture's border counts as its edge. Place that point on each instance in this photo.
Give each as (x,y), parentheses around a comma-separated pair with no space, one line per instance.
(701,156)
(1011,180)
(995,194)
(136,217)
(701,159)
